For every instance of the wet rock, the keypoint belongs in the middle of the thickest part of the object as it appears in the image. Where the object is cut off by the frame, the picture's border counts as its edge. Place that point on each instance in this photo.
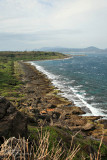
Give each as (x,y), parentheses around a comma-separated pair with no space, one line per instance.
(77,111)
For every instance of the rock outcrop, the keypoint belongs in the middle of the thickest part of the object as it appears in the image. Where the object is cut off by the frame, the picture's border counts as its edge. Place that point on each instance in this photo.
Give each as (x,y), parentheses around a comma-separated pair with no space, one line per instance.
(12,122)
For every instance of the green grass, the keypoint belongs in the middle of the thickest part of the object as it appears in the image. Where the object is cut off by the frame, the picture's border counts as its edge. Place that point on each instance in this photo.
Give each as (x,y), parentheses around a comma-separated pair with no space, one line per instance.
(31,55)
(7,78)
(10,82)
(11,71)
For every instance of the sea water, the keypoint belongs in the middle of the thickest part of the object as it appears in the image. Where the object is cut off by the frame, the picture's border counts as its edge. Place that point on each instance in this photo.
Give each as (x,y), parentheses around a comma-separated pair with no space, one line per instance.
(81,79)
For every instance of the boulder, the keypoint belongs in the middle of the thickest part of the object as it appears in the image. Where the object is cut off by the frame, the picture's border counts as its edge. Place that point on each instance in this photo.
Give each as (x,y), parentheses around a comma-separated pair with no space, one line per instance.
(5,107)
(88,127)
(77,111)
(52,106)
(12,122)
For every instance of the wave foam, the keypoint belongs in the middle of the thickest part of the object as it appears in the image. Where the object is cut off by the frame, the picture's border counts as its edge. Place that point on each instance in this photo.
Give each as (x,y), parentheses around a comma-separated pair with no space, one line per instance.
(71,93)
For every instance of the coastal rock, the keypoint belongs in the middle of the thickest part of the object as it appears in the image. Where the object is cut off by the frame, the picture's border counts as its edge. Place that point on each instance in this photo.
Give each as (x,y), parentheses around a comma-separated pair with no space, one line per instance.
(12,122)
(70,110)
(65,116)
(75,120)
(104,122)
(77,111)
(88,127)
(44,116)
(55,115)
(92,118)
(45,97)
(5,108)
(52,106)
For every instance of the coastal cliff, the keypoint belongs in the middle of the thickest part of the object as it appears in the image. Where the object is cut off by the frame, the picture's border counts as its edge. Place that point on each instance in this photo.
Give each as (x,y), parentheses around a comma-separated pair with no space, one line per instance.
(42,107)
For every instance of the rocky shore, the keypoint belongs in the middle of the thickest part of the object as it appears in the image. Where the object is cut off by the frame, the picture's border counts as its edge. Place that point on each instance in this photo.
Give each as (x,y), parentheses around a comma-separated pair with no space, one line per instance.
(41,106)
(44,107)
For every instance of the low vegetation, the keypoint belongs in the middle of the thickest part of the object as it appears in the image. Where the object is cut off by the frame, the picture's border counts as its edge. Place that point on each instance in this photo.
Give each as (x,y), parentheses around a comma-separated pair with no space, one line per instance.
(10,70)
(10,81)
(70,141)
(30,55)
(50,142)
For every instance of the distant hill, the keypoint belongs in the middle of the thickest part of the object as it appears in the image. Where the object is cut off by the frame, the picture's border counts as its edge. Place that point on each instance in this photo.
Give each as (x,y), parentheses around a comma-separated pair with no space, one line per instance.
(74,50)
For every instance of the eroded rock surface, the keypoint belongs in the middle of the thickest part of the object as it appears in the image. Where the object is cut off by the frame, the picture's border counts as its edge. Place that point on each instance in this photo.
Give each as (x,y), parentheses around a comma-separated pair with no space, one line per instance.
(45,107)
(12,122)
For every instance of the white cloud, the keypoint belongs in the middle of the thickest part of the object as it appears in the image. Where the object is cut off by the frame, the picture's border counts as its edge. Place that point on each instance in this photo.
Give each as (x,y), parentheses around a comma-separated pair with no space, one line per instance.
(68,20)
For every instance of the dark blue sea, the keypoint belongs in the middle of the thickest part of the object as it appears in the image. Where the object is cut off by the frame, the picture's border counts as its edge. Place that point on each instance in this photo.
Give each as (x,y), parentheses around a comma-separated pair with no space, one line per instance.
(82,79)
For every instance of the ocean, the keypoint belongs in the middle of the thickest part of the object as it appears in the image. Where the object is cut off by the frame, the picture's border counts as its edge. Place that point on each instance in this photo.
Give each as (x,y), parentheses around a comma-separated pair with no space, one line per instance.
(81,79)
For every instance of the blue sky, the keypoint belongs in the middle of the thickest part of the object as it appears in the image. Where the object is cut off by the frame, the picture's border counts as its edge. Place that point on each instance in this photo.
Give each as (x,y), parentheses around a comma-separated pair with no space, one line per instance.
(30,24)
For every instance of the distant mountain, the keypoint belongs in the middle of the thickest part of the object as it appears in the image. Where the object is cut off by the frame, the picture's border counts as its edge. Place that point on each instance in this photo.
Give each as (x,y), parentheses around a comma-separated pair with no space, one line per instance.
(73,50)
(105,50)
(92,49)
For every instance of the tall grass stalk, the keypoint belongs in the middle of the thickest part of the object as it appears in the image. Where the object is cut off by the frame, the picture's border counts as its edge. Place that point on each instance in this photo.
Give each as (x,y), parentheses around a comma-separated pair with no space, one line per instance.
(21,149)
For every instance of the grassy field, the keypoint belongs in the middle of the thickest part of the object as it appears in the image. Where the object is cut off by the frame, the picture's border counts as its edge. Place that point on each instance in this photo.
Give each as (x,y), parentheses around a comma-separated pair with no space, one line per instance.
(10,70)
(10,81)
(30,55)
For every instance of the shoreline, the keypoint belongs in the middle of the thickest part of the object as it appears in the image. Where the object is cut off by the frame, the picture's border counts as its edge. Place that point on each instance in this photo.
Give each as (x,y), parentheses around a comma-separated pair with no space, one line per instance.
(77,100)
(67,57)
(32,105)
(55,110)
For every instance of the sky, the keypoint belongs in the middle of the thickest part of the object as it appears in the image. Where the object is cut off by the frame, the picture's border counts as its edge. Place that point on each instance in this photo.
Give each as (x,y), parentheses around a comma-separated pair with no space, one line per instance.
(31,24)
